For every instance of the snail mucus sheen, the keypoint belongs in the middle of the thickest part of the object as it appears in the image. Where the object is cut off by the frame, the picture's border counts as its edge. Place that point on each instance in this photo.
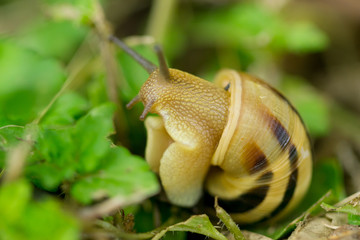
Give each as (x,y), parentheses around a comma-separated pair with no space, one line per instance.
(236,138)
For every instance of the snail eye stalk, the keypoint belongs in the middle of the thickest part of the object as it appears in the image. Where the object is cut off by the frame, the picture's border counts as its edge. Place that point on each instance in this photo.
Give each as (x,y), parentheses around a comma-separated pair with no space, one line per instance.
(164,70)
(147,65)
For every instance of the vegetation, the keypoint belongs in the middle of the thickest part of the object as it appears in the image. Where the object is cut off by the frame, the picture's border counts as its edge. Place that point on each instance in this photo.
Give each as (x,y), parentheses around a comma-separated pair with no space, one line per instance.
(70,153)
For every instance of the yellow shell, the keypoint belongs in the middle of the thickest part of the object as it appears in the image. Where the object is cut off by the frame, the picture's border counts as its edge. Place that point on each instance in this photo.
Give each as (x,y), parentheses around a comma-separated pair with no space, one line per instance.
(263,157)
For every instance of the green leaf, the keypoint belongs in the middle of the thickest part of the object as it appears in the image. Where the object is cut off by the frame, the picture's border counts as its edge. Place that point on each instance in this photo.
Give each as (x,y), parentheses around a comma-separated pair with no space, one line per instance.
(40,35)
(54,161)
(96,90)
(83,156)
(304,37)
(91,137)
(121,174)
(66,110)
(197,224)
(22,218)
(252,26)
(236,26)
(328,174)
(27,83)
(175,236)
(14,197)
(48,176)
(59,225)
(55,146)
(65,152)
(354,219)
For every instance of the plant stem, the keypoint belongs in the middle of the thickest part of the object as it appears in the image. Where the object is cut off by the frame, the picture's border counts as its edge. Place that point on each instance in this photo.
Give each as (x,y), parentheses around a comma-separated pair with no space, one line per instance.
(109,205)
(11,126)
(229,223)
(160,17)
(112,75)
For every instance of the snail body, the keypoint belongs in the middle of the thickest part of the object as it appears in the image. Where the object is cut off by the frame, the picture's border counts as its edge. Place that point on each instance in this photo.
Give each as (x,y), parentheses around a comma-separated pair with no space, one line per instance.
(237,138)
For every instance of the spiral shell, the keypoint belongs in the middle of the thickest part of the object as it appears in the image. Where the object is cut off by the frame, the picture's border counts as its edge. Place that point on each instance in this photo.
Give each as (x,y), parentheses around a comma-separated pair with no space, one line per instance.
(263,157)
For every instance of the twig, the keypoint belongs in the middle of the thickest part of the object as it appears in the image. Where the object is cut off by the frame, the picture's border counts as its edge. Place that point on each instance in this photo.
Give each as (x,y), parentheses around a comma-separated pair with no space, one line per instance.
(16,161)
(348,199)
(17,155)
(161,13)
(109,205)
(112,75)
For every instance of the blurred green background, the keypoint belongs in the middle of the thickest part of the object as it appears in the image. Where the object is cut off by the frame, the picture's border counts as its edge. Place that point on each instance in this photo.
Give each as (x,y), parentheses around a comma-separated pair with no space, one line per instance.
(62,84)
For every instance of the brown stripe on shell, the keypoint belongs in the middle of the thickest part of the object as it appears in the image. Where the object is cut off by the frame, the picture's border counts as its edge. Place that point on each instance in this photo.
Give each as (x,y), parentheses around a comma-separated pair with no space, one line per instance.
(291,186)
(266,177)
(255,158)
(293,157)
(278,129)
(249,200)
(282,97)
(285,143)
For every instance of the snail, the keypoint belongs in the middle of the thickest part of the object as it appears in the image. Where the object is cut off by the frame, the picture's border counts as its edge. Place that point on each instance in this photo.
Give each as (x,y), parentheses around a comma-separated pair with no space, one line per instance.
(237,138)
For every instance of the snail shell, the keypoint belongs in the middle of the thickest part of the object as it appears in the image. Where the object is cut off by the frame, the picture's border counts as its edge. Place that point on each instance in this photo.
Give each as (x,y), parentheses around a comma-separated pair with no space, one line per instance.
(263,155)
